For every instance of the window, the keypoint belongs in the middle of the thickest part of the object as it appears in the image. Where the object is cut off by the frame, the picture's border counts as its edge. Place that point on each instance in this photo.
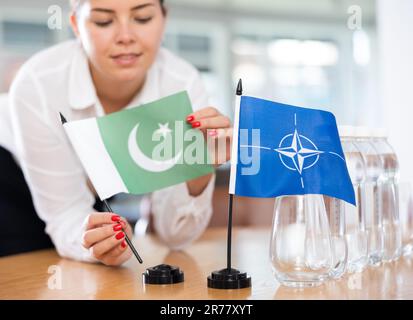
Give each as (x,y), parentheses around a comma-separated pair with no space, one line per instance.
(26,34)
(287,70)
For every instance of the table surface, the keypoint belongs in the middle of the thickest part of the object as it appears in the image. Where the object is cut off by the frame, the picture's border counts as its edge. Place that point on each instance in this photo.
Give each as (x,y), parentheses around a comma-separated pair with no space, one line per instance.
(32,275)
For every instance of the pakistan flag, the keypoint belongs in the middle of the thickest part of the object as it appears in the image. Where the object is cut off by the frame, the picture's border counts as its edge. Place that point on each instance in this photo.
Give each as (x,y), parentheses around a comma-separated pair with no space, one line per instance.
(142,149)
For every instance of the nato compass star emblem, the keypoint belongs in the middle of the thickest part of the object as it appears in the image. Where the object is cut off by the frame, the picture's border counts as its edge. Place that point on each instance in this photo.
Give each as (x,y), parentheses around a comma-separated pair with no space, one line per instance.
(297,152)
(301,157)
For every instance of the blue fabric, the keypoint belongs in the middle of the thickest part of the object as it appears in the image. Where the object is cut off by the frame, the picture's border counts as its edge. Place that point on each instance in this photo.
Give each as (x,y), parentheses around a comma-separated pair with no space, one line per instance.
(299,152)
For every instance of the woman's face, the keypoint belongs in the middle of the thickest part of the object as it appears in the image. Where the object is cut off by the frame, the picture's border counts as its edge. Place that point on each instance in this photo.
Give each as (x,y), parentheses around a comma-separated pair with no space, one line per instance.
(121,38)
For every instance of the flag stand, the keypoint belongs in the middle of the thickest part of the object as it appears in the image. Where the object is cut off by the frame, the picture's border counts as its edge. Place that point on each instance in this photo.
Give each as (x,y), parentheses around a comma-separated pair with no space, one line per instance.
(229,278)
(163,274)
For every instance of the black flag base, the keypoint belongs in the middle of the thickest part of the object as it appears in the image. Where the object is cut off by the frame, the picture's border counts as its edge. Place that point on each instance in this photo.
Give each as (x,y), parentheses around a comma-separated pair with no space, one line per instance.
(163,274)
(229,279)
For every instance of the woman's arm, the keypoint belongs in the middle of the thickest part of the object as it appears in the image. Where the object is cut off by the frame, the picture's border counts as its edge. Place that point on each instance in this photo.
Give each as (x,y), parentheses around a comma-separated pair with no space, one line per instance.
(53,172)
(198,185)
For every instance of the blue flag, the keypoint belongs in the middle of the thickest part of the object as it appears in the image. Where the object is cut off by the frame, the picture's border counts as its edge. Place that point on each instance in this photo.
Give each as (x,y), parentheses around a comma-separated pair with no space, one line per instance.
(287,150)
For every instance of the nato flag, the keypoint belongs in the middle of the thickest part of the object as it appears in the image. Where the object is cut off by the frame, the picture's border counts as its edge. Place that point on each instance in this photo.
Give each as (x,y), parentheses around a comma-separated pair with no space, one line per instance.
(287,150)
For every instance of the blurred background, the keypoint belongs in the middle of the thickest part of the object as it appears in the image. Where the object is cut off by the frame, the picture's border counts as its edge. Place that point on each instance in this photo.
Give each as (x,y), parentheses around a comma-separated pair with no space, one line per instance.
(351,57)
(309,53)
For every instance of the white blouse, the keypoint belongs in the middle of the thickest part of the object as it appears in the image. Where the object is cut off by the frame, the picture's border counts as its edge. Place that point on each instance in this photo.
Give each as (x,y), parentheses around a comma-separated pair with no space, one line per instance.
(58,80)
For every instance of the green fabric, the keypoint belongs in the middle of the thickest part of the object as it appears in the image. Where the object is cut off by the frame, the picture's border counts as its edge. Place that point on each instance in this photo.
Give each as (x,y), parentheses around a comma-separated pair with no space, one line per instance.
(116,128)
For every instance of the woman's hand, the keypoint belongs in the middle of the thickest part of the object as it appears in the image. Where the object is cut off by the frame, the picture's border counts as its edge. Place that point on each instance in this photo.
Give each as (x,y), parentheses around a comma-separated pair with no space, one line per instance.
(105,238)
(216,129)
(218,133)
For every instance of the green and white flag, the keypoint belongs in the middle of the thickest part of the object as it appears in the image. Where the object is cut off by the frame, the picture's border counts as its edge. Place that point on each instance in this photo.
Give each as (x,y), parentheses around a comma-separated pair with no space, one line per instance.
(142,149)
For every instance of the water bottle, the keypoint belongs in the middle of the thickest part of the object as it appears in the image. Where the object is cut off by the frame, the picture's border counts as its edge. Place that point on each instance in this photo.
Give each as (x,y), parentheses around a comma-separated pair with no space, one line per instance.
(354,216)
(371,197)
(301,248)
(389,196)
(406,216)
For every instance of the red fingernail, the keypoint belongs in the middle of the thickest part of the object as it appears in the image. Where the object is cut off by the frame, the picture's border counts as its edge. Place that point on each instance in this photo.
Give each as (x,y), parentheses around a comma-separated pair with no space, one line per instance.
(117,227)
(120,235)
(196,124)
(212,132)
(190,118)
(123,244)
(116,218)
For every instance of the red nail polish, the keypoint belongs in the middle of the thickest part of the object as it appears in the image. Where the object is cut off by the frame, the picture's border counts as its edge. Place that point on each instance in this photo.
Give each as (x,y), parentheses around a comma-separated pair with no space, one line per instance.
(123,244)
(120,235)
(117,227)
(115,218)
(196,124)
(190,118)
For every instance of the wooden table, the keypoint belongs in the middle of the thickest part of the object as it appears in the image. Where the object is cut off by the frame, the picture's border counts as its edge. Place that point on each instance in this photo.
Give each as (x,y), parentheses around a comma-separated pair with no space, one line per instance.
(26,276)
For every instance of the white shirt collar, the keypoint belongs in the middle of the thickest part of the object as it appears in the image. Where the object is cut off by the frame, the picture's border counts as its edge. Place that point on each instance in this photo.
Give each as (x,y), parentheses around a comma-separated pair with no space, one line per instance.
(82,92)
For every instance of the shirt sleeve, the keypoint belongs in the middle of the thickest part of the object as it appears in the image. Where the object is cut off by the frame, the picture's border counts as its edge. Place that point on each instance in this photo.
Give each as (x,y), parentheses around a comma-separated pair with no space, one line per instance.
(53,173)
(5,127)
(180,218)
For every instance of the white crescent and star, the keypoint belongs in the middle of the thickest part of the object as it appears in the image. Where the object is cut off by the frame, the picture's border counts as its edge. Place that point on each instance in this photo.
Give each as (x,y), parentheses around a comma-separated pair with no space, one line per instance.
(163,129)
(145,162)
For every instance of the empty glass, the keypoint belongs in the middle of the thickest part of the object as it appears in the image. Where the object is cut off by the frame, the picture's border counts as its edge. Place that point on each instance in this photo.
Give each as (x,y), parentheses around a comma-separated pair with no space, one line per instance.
(301,249)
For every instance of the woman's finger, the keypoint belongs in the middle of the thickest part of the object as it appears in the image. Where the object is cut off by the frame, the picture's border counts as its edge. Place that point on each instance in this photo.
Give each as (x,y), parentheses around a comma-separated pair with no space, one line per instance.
(212,123)
(202,113)
(98,219)
(93,236)
(102,247)
(222,133)
(219,146)
(115,251)
(117,255)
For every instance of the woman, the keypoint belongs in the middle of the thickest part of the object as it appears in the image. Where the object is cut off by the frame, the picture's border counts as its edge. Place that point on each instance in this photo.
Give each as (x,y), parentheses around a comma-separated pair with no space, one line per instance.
(115,63)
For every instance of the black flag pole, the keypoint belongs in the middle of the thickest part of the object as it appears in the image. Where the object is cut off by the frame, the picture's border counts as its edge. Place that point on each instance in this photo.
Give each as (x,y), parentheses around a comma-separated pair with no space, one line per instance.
(229,233)
(231,196)
(230,278)
(128,241)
